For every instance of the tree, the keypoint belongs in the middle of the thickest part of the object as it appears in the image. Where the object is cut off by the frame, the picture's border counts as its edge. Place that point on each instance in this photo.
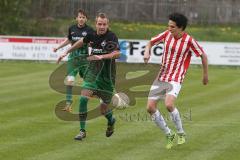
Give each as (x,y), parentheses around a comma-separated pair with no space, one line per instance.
(12,15)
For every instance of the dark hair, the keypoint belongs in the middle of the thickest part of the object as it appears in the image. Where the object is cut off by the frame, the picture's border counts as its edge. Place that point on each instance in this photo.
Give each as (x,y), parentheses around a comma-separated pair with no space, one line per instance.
(102,15)
(180,20)
(81,11)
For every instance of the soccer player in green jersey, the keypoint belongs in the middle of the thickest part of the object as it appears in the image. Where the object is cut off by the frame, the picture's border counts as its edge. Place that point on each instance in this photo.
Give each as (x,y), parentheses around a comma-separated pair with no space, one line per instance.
(77,62)
(100,76)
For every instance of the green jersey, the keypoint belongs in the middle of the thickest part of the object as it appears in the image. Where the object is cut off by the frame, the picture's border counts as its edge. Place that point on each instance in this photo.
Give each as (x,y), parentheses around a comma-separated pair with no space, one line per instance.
(100,74)
(77,61)
(103,71)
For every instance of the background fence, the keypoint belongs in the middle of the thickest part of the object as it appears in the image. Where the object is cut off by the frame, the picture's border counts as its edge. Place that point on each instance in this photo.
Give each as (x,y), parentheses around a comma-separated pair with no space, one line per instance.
(198,11)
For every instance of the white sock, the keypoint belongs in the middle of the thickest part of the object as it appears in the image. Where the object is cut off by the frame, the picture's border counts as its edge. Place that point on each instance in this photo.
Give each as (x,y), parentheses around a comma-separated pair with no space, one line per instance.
(175,116)
(160,122)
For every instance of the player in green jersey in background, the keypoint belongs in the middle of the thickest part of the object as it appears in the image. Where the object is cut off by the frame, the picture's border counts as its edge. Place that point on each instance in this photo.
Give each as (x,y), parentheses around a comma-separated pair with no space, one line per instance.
(77,62)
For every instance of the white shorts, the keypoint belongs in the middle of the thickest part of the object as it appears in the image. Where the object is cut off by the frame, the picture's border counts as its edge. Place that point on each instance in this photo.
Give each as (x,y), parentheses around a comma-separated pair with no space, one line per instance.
(160,89)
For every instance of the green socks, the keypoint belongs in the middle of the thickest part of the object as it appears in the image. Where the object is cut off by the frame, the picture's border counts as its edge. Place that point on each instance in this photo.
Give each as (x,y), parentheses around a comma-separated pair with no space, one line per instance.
(69,95)
(109,117)
(83,112)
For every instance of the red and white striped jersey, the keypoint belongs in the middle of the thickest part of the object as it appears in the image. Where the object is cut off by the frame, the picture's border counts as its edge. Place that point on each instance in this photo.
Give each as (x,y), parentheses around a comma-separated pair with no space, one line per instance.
(176,55)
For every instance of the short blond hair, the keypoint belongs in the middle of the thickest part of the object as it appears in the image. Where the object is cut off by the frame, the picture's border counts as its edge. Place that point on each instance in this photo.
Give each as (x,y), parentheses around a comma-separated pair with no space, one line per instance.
(102,15)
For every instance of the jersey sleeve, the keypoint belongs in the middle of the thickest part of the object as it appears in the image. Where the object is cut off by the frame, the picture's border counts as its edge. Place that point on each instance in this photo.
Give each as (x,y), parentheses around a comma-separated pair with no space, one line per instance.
(159,38)
(69,34)
(88,38)
(115,41)
(196,48)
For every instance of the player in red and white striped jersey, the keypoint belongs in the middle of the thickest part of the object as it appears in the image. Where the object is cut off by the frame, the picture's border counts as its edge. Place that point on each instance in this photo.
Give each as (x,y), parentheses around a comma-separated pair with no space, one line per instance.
(178,49)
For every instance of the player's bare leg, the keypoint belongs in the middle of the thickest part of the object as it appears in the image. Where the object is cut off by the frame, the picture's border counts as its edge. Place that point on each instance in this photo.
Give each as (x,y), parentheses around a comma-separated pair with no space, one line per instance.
(160,122)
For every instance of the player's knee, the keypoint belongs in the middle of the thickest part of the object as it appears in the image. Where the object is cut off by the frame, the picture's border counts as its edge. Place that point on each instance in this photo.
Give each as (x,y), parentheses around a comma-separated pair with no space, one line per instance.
(151,108)
(70,80)
(103,108)
(169,106)
(86,93)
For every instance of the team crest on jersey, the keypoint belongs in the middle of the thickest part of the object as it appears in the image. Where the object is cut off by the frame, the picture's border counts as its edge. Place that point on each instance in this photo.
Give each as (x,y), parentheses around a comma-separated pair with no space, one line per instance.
(103,43)
(84,34)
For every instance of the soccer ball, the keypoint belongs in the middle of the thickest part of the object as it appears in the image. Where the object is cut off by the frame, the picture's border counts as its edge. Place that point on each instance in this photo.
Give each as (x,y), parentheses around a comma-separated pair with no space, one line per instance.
(120,100)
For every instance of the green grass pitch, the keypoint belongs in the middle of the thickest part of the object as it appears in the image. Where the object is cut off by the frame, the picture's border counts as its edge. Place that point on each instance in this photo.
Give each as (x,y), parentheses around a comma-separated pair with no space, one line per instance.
(30,130)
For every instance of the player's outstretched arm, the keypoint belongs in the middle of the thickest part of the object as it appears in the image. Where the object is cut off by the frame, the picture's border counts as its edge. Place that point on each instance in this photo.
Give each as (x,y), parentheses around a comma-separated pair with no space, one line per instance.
(76,45)
(205,68)
(147,52)
(63,44)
